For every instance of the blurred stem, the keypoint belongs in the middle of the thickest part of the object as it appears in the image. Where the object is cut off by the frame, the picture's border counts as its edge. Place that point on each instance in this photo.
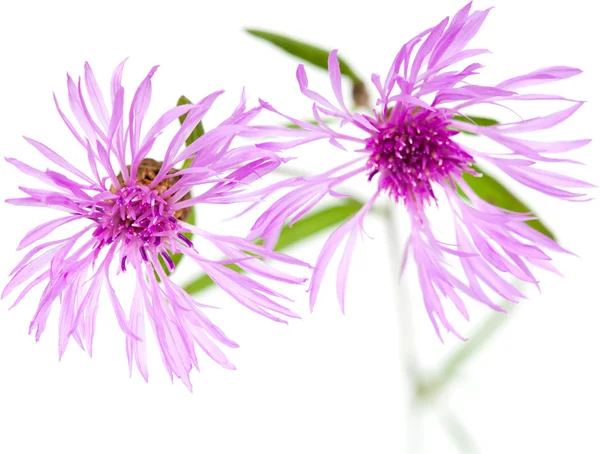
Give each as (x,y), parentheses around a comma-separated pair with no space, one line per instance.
(429,388)
(458,432)
(401,294)
(400,298)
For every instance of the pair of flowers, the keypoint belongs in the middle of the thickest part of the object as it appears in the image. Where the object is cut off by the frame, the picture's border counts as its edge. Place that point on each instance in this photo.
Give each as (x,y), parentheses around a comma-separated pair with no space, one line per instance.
(131,211)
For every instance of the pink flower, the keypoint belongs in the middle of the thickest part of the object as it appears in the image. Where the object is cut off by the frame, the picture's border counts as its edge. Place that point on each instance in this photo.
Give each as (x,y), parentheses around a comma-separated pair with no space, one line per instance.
(130,211)
(410,149)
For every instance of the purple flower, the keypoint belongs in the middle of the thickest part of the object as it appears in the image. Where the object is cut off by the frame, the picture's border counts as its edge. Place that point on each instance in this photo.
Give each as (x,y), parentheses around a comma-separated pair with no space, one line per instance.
(129,212)
(410,149)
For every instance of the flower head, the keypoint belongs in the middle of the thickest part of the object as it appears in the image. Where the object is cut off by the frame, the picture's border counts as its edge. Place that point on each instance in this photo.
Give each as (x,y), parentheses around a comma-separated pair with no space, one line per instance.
(411,150)
(130,213)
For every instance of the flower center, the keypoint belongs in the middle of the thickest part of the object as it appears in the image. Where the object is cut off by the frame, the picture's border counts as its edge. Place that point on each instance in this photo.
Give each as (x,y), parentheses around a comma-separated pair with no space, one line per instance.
(146,173)
(412,151)
(139,216)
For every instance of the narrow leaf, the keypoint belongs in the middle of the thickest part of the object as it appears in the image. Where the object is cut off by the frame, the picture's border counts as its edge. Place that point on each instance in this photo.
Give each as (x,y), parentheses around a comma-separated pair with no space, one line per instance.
(307,52)
(327,121)
(196,133)
(204,281)
(191,219)
(494,192)
(317,222)
(302,230)
(479,121)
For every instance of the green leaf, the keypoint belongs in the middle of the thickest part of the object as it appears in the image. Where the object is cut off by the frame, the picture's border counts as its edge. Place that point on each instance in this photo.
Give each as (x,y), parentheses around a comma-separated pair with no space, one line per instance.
(494,192)
(317,222)
(479,121)
(327,121)
(190,220)
(196,133)
(301,230)
(307,52)
(204,281)
(491,190)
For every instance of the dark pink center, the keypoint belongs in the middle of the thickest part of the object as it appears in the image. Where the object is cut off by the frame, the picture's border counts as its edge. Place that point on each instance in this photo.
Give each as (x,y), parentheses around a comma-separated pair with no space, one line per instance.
(413,151)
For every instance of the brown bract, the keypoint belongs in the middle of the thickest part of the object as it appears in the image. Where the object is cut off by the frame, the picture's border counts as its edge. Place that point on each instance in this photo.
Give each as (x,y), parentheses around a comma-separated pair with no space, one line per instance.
(146,173)
(360,95)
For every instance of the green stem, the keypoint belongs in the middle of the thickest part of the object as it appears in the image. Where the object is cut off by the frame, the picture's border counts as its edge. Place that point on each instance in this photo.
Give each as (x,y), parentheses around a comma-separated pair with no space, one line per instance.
(429,388)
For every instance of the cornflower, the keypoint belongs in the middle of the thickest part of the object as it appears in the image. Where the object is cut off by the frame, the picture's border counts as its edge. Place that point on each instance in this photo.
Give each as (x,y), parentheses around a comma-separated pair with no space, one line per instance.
(409,147)
(129,212)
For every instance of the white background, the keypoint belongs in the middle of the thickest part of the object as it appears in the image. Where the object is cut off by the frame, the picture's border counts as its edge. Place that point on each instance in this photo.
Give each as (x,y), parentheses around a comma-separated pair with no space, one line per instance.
(330,383)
